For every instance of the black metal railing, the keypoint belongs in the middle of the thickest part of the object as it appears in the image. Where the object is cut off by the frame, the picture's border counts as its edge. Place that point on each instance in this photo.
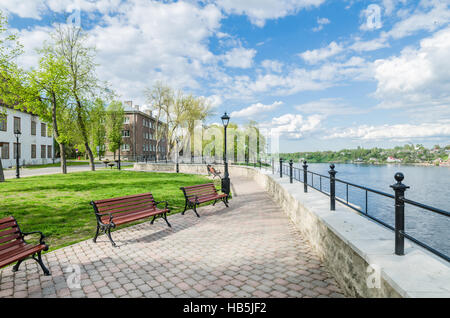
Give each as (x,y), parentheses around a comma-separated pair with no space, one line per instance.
(327,185)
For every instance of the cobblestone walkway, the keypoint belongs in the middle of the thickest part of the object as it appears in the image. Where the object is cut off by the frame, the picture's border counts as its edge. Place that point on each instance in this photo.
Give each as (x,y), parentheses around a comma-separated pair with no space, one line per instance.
(248,250)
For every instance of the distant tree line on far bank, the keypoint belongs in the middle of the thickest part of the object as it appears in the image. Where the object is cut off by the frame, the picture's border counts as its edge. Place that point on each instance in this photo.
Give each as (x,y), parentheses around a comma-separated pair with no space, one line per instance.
(408,153)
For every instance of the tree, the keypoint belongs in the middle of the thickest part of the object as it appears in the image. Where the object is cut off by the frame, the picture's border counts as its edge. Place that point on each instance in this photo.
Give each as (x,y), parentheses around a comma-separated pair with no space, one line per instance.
(115,116)
(161,100)
(48,95)
(69,45)
(97,125)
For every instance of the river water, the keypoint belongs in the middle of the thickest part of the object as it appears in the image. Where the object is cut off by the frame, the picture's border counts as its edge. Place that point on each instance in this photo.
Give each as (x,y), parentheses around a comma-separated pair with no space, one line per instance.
(429,185)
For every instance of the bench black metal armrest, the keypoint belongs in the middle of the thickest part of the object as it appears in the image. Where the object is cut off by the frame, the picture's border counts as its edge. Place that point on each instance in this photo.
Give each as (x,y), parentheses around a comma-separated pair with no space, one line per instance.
(166,206)
(41,239)
(99,215)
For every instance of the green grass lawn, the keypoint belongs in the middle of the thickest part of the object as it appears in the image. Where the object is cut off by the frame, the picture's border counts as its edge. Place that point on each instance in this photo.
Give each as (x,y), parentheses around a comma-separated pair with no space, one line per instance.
(50,165)
(58,205)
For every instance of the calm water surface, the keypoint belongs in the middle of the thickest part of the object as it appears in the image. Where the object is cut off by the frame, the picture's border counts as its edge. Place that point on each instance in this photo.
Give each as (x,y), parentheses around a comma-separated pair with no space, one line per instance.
(428,185)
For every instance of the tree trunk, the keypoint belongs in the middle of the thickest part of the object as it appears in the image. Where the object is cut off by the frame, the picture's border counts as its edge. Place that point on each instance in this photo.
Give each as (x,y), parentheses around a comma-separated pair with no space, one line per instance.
(2,176)
(62,148)
(84,133)
(90,155)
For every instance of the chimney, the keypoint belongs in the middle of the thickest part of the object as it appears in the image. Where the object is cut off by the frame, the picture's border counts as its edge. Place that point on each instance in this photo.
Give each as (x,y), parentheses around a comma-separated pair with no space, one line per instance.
(149,112)
(129,103)
(136,107)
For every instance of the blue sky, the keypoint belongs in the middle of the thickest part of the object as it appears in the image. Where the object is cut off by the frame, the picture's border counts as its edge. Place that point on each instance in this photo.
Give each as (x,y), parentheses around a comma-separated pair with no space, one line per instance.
(322,74)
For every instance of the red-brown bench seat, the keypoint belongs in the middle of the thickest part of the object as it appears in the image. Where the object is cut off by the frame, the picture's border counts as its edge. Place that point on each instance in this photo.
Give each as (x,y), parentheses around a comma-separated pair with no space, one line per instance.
(117,211)
(14,248)
(201,193)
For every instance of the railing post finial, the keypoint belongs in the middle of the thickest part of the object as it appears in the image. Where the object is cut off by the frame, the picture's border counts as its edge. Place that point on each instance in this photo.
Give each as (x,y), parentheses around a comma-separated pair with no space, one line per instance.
(332,173)
(281,167)
(291,162)
(305,176)
(399,189)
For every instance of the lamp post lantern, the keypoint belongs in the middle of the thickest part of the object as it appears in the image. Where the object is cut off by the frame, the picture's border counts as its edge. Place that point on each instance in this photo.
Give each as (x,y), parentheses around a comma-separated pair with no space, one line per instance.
(226,179)
(17,133)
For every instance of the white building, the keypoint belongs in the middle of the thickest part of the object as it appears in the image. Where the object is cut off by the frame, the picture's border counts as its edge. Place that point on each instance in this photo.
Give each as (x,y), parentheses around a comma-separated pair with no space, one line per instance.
(35,142)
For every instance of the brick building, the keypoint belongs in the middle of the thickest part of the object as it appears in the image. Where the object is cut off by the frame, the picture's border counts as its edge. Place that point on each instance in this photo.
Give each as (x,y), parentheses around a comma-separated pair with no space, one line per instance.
(139,136)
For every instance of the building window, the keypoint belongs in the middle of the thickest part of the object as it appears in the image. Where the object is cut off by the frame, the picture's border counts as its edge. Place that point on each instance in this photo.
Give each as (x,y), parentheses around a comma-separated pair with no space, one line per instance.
(49,131)
(126,120)
(125,147)
(3,122)
(33,151)
(33,128)
(43,130)
(17,147)
(125,133)
(5,150)
(43,151)
(17,124)
(49,152)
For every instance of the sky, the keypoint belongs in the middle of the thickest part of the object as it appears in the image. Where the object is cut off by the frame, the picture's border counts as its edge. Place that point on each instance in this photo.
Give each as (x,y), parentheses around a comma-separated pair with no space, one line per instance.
(322,74)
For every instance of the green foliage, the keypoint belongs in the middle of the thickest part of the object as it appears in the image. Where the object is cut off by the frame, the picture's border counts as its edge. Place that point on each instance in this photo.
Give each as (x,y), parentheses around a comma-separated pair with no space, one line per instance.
(407,154)
(97,123)
(115,116)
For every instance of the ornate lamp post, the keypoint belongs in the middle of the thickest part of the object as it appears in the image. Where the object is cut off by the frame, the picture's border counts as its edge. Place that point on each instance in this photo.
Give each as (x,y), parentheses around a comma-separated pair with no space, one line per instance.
(17,133)
(225,180)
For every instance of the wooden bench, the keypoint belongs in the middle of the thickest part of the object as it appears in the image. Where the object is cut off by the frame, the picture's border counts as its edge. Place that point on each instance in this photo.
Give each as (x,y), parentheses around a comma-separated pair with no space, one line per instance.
(14,248)
(197,194)
(117,211)
(213,171)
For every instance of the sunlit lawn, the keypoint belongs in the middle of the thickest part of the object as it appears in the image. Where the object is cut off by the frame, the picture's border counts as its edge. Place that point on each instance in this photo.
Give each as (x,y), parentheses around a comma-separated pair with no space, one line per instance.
(58,205)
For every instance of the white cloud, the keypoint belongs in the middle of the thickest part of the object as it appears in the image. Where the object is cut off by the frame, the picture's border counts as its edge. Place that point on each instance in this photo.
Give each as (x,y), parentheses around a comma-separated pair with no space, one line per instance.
(256,109)
(24,8)
(315,56)
(417,77)
(327,107)
(272,65)
(371,45)
(320,23)
(399,132)
(430,15)
(258,11)
(294,126)
(239,57)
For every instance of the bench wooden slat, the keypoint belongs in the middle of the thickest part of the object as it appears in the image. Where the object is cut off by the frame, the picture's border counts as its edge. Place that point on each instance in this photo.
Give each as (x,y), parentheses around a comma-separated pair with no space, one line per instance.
(124,207)
(8,224)
(10,231)
(126,198)
(7,220)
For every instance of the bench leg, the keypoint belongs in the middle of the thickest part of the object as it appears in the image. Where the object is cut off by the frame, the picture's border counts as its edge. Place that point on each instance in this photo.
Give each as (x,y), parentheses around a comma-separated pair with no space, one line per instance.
(108,232)
(41,263)
(185,208)
(225,201)
(96,234)
(195,210)
(164,216)
(215,201)
(16,267)
(153,220)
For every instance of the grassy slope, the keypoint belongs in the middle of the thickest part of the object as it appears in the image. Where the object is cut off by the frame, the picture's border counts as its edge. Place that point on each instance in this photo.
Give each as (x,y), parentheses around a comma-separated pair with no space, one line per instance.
(58,205)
